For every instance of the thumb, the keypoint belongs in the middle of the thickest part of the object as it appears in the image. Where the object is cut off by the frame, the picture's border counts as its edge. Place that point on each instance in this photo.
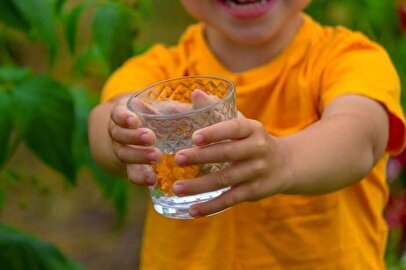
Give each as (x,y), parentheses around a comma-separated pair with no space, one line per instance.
(200,99)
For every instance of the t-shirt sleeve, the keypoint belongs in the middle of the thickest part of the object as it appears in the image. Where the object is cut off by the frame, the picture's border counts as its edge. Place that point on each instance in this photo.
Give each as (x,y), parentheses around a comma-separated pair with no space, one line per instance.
(138,72)
(362,67)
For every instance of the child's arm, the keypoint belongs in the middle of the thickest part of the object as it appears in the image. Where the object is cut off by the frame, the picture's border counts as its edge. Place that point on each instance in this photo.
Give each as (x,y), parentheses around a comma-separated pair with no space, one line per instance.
(118,145)
(335,152)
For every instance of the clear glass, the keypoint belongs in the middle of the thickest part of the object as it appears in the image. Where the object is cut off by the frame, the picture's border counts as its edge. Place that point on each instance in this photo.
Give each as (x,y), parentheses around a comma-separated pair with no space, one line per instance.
(170,109)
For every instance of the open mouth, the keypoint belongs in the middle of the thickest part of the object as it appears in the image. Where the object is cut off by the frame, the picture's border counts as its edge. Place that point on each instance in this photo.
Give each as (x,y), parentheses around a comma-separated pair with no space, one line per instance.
(249,4)
(246,9)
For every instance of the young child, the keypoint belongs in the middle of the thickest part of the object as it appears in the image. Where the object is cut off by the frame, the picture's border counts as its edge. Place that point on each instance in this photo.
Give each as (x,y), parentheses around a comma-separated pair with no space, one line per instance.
(320,113)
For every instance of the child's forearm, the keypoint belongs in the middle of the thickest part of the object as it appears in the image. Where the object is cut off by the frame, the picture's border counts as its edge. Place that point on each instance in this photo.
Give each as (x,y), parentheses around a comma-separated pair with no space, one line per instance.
(100,141)
(338,150)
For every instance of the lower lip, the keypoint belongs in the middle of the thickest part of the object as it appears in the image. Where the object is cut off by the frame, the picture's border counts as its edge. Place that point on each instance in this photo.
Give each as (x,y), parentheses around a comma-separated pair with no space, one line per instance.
(248,12)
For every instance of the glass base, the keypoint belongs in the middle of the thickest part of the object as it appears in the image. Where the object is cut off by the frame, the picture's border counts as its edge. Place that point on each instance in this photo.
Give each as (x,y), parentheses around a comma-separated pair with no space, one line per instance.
(178,207)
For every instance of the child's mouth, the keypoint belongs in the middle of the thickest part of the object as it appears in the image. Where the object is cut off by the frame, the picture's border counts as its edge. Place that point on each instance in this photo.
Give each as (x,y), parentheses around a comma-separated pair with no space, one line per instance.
(246,9)
(245,3)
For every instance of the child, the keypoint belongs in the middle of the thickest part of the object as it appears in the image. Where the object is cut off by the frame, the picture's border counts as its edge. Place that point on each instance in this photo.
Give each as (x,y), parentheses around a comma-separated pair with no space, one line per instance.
(320,114)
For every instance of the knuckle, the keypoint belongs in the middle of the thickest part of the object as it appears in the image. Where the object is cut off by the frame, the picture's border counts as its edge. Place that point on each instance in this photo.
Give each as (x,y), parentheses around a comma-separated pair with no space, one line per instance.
(261,145)
(120,152)
(234,124)
(253,189)
(230,200)
(228,152)
(195,157)
(256,124)
(261,167)
(238,122)
(133,176)
(114,112)
(223,179)
(113,132)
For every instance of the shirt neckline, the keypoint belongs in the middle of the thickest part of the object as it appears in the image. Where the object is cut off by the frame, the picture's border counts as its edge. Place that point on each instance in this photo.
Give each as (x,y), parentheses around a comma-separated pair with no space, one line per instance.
(209,62)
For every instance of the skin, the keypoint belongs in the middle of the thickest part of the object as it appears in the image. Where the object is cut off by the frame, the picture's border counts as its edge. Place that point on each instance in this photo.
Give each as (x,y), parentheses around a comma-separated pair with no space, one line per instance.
(333,153)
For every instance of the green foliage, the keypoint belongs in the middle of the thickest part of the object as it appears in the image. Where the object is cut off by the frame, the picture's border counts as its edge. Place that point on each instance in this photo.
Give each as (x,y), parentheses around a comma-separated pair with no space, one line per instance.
(19,251)
(12,17)
(71,19)
(115,189)
(377,19)
(47,111)
(6,124)
(41,22)
(43,104)
(112,25)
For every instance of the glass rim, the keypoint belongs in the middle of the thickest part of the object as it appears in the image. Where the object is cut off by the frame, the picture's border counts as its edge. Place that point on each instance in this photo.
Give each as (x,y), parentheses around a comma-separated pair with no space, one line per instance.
(180,114)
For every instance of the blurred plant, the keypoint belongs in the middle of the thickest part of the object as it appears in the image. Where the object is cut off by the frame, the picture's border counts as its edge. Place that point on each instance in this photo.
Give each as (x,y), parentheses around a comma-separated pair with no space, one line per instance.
(21,251)
(402,15)
(395,213)
(48,111)
(382,21)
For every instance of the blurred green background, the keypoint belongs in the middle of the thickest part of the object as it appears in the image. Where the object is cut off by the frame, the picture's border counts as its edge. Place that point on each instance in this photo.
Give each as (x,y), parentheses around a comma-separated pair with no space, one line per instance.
(58,209)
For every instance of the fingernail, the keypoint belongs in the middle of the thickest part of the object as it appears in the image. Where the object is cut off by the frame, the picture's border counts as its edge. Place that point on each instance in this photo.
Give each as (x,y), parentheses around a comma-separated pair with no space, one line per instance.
(179,188)
(194,212)
(150,179)
(197,138)
(180,159)
(153,156)
(130,121)
(144,138)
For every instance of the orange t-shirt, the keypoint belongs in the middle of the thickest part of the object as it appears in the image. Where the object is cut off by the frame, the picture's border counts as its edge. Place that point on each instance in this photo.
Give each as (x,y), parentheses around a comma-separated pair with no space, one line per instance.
(340,230)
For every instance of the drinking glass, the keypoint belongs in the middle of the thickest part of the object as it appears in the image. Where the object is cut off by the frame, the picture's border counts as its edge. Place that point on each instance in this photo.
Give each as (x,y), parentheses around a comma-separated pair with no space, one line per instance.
(171,110)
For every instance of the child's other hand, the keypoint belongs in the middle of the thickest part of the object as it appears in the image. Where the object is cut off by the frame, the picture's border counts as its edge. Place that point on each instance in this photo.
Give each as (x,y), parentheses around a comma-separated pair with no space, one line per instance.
(256,170)
(132,145)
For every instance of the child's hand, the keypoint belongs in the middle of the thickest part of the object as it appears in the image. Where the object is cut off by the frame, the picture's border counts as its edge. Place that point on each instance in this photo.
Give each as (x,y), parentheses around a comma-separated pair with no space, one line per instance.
(256,170)
(132,145)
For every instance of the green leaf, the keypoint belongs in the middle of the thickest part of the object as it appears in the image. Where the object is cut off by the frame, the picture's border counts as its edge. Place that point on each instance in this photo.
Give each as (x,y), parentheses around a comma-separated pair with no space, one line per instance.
(20,251)
(113,188)
(71,23)
(11,17)
(39,14)
(1,200)
(58,5)
(143,7)
(6,125)
(113,32)
(84,103)
(91,61)
(45,119)
(11,74)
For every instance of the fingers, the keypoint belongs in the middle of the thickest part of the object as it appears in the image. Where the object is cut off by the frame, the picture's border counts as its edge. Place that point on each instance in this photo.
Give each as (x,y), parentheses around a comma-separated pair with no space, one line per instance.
(124,128)
(234,129)
(130,154)
(140,136)
(226,151)
(122,117)
(172,107)
(227,199)
(200,99)
(132,145)
(143,107)
(141,174)
(160,107)
(230,176)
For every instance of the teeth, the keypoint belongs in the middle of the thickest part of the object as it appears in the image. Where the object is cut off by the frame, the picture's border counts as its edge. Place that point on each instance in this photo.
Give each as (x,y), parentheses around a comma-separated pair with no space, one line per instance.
(245,4)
